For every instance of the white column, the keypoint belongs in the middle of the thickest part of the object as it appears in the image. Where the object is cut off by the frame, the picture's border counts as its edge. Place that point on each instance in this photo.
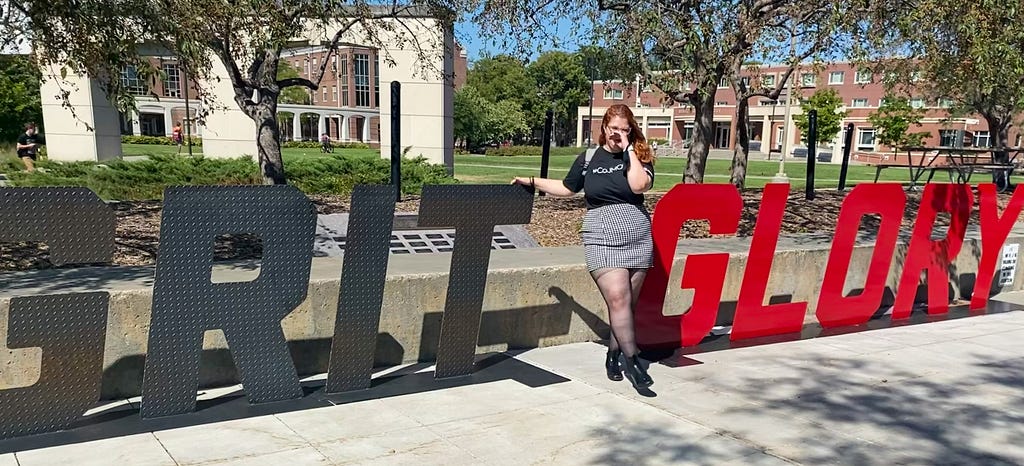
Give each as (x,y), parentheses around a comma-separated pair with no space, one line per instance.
(671,127)
(644,125)
(168,122)
(766,134)
(366,128)
(579,131)
(344,128)
(94,134)
(296,127)
(136,125)
(321,125)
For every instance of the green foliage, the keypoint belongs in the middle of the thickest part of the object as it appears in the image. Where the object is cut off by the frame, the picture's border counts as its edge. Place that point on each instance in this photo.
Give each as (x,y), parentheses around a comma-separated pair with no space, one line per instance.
(830,119)
(478,120)
(147,179)
(893,119)
(970,52)
(292,94)
(511,151)
(316,145)
(158,140)
(562,86)
(19,96)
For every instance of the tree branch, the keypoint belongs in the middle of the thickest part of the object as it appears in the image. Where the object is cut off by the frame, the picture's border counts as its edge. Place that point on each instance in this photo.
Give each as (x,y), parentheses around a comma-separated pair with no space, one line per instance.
(303,82)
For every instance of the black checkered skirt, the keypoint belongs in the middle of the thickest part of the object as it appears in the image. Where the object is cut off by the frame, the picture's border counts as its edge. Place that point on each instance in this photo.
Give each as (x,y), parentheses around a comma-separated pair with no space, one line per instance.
(618,236)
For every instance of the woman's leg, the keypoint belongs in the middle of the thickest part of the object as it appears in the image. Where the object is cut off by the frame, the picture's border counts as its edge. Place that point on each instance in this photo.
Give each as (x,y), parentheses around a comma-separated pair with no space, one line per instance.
(616,289)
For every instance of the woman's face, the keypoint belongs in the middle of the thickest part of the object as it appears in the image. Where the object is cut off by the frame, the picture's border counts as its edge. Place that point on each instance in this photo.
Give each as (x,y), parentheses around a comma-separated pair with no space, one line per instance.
(617,132)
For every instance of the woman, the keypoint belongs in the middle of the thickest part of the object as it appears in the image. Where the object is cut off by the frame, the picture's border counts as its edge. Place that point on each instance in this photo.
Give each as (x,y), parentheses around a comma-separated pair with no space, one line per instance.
(617,227)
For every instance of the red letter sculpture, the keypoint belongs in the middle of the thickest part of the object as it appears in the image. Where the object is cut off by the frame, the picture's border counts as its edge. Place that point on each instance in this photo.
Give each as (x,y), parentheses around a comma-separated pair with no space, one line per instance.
(753,318)
(705,273)
(887,200)
(923,254)
(994,230)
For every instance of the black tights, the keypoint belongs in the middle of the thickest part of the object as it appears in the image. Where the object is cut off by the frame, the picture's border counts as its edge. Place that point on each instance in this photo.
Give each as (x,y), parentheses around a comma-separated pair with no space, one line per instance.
(620,288)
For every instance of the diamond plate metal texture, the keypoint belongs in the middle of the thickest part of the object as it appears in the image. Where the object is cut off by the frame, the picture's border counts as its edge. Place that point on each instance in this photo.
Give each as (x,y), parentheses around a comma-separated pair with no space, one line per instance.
(473,211)
(70,329)
(186,303)
(362,288)
(76,225)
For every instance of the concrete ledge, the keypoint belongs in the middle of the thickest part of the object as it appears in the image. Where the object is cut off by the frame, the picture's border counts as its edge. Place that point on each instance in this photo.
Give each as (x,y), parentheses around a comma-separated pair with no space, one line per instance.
(535,297)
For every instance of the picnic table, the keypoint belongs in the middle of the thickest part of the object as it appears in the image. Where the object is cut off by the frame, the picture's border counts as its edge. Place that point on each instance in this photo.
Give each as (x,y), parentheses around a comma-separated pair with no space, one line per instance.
(959,161)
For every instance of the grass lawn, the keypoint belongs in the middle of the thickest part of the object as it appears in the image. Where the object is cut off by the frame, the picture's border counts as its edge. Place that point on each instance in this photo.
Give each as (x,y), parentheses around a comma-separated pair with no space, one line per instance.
(499,170)
(477,169)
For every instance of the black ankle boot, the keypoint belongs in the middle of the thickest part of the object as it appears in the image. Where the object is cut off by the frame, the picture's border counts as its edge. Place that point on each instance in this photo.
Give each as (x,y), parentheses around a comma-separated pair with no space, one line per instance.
(611,364)
(637,373)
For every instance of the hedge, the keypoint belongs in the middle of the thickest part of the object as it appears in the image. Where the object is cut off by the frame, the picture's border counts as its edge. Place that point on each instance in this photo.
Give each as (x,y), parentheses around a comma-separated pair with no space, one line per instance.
(532,150)
(157,140)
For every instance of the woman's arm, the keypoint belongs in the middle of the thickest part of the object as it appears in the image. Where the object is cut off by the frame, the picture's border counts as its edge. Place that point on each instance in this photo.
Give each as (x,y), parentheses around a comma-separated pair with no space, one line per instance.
(639,180)
(553,187)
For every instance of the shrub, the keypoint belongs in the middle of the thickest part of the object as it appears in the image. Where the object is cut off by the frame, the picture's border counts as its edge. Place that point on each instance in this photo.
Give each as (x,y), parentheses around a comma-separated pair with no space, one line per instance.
(511,151)
(316,145)
(147,178)
(157,140)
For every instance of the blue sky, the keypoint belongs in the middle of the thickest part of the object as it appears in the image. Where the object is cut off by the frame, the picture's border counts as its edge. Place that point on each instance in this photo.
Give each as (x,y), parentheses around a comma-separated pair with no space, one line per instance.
(476,44)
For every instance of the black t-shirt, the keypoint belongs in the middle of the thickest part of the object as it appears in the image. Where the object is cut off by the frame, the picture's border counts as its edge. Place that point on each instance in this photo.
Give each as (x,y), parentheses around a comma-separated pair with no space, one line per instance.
(604,181)
(26,139)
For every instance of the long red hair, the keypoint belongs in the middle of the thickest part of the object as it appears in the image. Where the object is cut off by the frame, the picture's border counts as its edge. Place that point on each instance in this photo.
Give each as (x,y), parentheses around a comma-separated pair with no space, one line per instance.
(636,136)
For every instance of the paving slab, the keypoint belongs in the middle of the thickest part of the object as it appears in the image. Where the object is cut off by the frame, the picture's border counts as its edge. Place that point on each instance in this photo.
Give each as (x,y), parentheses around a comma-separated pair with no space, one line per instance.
(947,392)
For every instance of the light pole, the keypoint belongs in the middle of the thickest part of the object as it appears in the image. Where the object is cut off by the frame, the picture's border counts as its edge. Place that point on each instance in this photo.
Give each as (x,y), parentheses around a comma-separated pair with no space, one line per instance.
(781,177)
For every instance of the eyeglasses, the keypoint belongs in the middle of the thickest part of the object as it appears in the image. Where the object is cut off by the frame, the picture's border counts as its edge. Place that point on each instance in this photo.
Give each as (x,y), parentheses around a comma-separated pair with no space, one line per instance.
(619,130)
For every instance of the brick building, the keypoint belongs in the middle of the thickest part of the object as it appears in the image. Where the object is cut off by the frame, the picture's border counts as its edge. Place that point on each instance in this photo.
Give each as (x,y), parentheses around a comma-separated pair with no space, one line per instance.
(345,106)
(861,92)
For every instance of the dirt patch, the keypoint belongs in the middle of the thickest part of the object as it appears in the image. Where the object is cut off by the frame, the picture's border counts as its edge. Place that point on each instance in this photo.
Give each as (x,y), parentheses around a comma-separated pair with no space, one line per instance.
(556,222)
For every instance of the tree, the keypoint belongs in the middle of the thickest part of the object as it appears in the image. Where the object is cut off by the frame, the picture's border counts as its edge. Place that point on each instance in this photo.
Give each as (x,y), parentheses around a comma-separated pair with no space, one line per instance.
(562,85)
(471,112)
(683,49)
(506,120)
(244,38)
(503,77)
(830,119)
(893,119)
(19,95)
(969,52)
(291,95)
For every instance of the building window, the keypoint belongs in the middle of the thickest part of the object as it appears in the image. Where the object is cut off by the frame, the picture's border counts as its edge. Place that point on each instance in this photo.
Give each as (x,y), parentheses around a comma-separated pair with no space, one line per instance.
(724,83)
(615,94)
(658,124)
(131,81)
(362,78)
(859,103)
(863,77)
(324,94)
(334,93)
(836,77)
(172,80)
(344,81)
(688,131)
(945,103)
(312,96)
(721,103)
(376,81)
(948,137)
(982,139)
(866,139)
(808,79)
(767,103)
(917,102)
(306,65)
(768,80)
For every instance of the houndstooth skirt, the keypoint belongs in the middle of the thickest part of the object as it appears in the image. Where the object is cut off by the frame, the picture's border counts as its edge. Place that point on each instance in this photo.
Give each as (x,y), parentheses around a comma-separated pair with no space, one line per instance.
(618,236)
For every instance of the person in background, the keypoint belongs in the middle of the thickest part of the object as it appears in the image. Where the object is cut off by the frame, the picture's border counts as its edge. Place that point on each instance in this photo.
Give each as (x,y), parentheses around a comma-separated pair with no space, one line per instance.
(176,135)
(616,229)
(28,146)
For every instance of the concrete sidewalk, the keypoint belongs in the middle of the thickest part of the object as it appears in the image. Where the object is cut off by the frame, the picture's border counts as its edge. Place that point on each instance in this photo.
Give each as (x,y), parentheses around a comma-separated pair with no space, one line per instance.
(946,392)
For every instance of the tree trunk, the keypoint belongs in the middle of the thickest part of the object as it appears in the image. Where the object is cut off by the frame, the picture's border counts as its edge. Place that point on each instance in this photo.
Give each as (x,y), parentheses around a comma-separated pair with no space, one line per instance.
(703,131)
(999,128)
(741,152)
(268,142)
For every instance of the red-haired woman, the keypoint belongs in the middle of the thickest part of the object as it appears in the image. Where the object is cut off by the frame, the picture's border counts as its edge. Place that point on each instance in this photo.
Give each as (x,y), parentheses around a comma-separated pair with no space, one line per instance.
(617,227)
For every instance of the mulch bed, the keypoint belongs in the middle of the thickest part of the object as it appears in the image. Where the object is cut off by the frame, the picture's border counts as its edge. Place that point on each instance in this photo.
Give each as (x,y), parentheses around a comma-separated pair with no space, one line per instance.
(556,222)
